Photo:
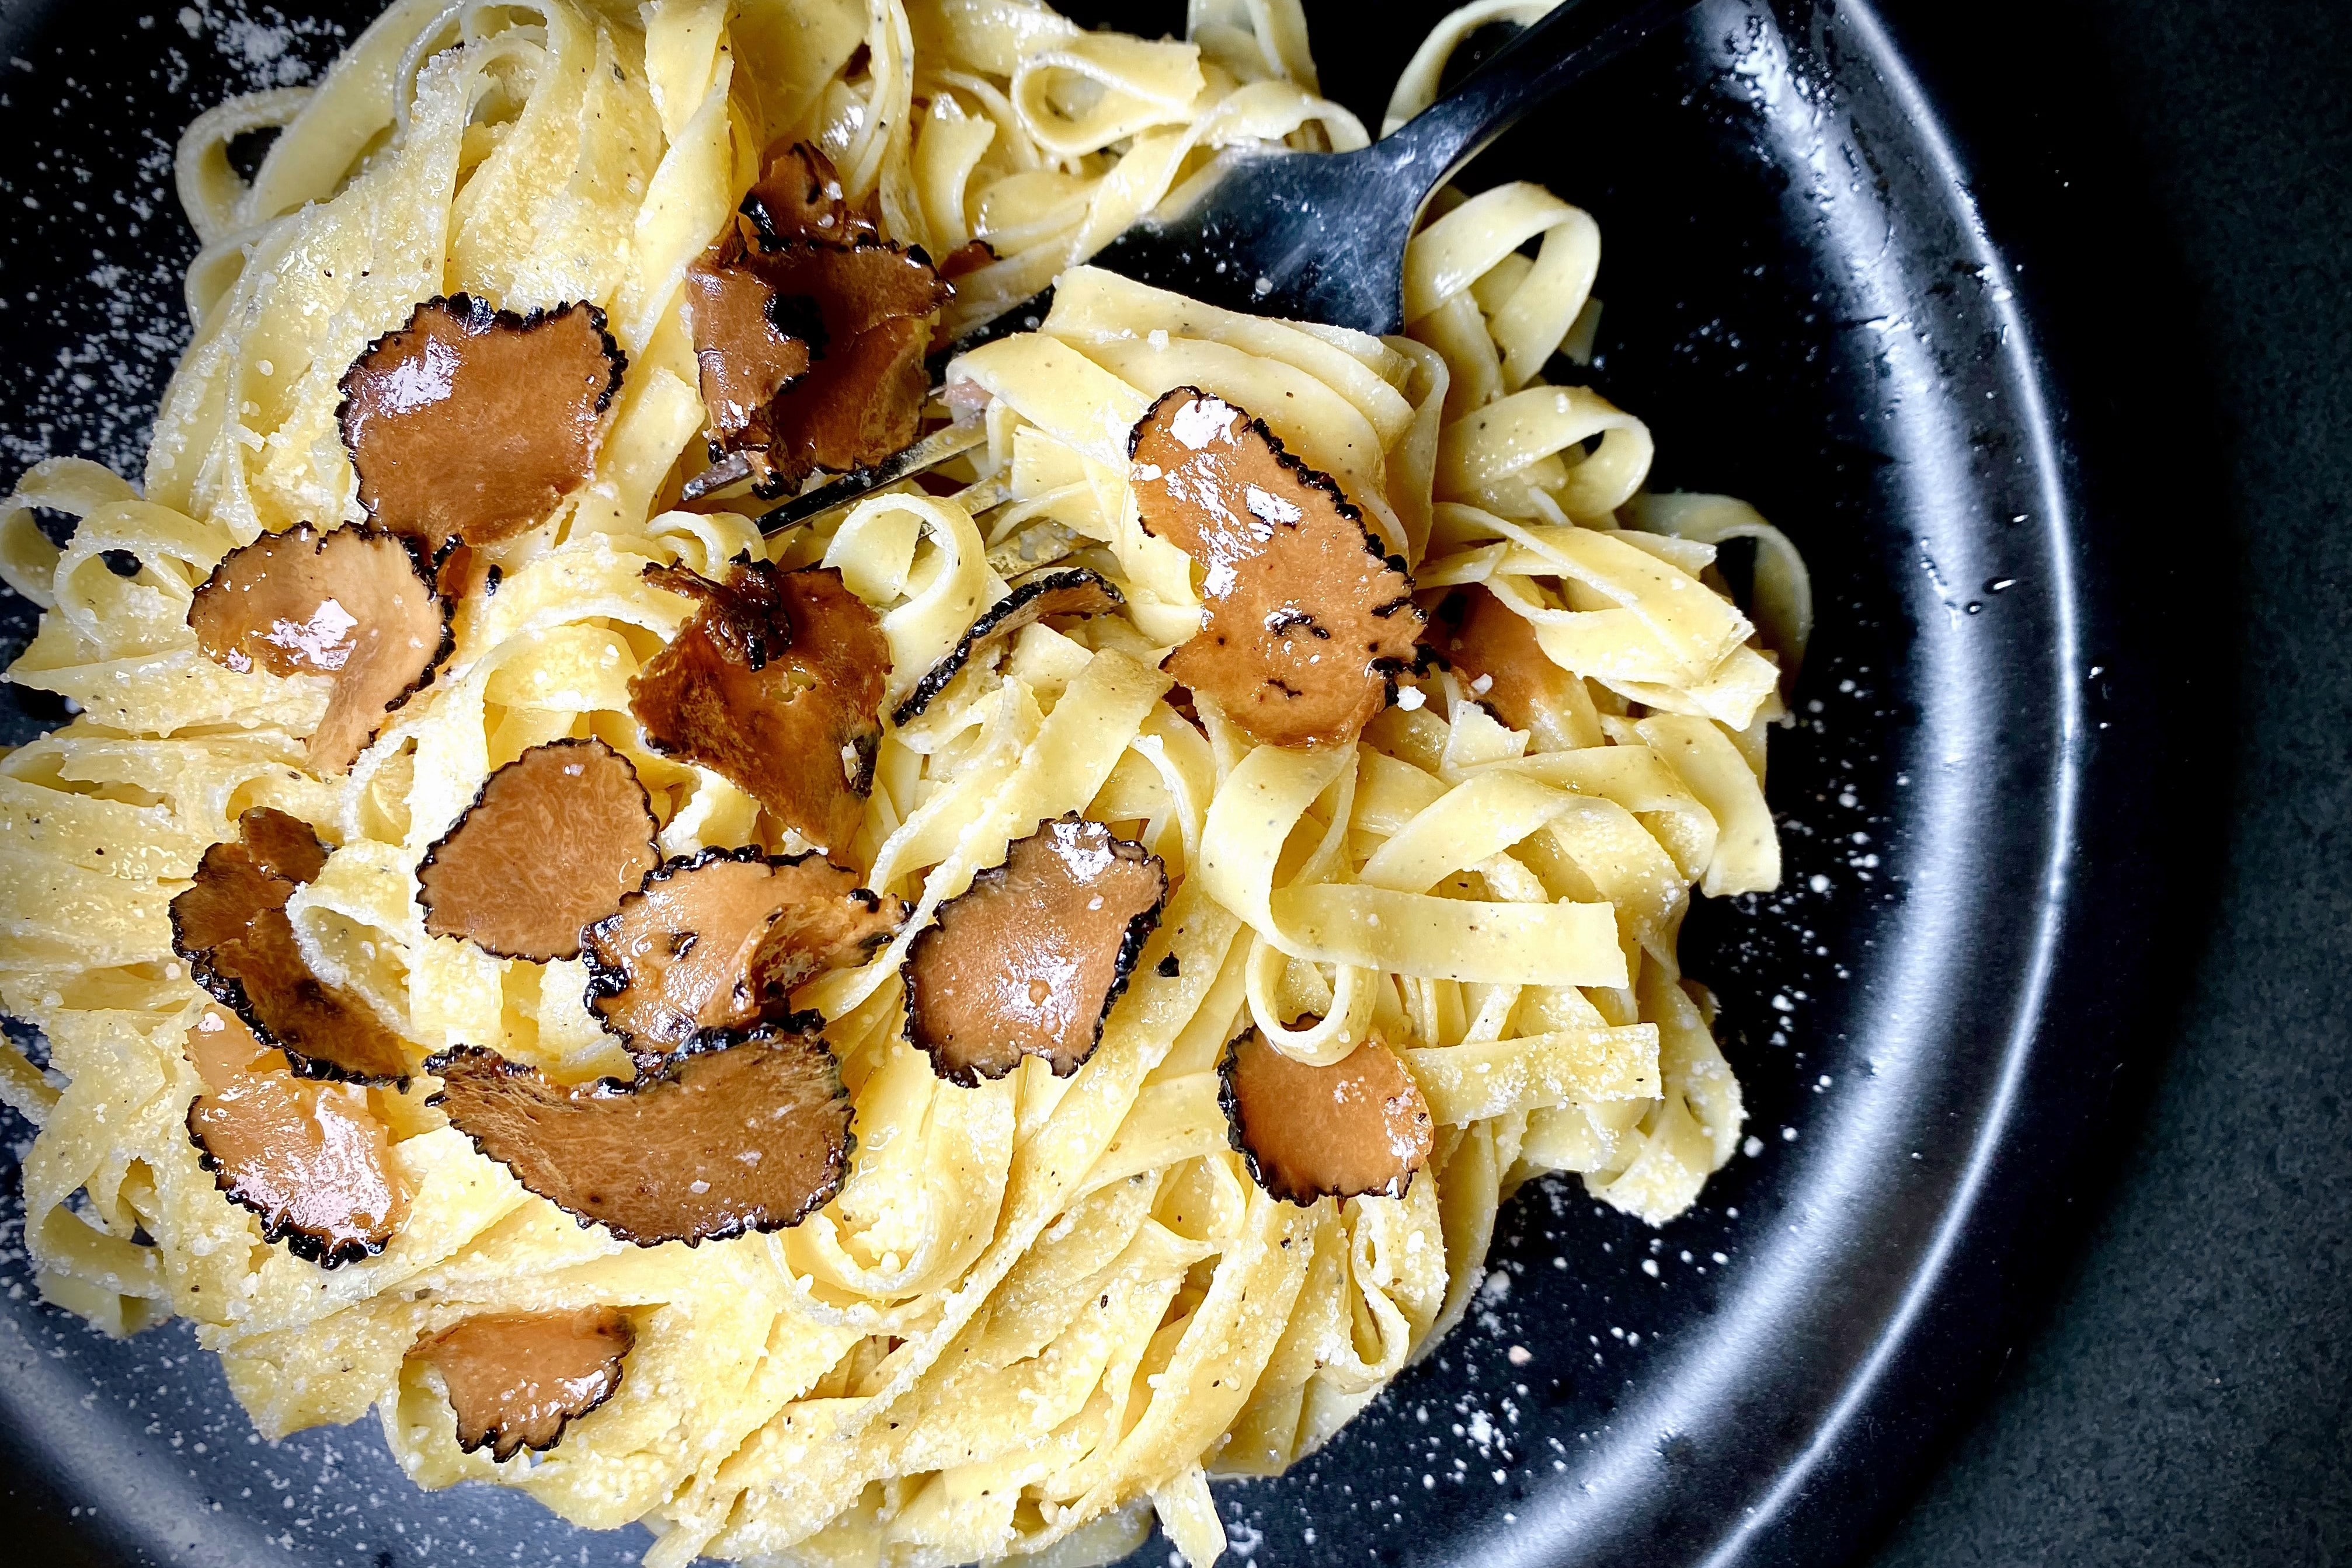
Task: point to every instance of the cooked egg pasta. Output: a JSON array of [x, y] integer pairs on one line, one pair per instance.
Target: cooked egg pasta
[[1041, 1310]]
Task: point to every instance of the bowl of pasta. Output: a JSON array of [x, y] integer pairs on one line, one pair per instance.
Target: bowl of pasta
[[1463, 945]]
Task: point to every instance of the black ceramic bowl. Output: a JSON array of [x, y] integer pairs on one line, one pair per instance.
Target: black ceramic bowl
[[1846, 279]]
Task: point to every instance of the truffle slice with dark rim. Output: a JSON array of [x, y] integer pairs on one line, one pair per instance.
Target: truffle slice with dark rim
[[353, 604], [966, 258], [1029, 958], [719, 939], [313, 1160], [281, 844], [1487, 643], [1306, 624], [462, 572], [474, 425], [775, 685], [1072, 591], [736, 1133], [811, 351], [802, 317], [552, 843], [799, 197], [231, 926], [747, 348], [862, 401], [517, 1379], [1357, 1128]]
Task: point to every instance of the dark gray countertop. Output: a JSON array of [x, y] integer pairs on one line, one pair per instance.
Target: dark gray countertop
[[2190, 1400]]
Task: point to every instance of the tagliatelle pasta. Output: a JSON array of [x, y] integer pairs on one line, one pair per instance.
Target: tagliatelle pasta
[[1039, 1310]]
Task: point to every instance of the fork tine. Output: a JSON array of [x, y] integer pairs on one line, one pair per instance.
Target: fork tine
[[731, 469], [930, 452]]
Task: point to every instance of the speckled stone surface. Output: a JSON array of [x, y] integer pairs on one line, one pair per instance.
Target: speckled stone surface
[[2190, 1400]]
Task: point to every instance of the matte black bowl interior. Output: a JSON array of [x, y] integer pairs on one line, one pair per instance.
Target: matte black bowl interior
[[1805, 301]]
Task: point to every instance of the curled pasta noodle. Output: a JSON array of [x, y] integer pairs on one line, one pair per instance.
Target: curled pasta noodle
[[210, 191], [1783, 598], [1042, 1311], [1416, 87]]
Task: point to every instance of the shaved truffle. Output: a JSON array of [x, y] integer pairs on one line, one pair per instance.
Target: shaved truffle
[[1306, 624], [811, 351], [1028, 960], [736, 1133], [967, 258], [775, 683], [281, 844], [551, 844], [862, 399], [746, 346], [1358, 1127], [313, 1160], [472, 424], [354, 605], [751, 340], [811, 935], [1487, 642], [463, 572], [231, 926], [799, 197], [1075, 592], [517, 1379], [722, 938], [273, 855]]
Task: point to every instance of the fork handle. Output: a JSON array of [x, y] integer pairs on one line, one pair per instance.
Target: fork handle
[[1547, 57]]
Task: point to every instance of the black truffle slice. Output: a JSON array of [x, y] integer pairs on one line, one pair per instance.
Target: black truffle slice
[[517, 1379], [799, 197], [313, 1160], [1358, 1127], [552, 844], [811, 350], [281, 844], [461, 572], [1073, 592], [966, 258], [1496, 648], [775, 685], [474, 424], [273, 853], [719, 939], [1307, 625], [231, 926], [1029, 958], [736, 1133], [755, 337], [354, 604], [862, 400], [747, 347]]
